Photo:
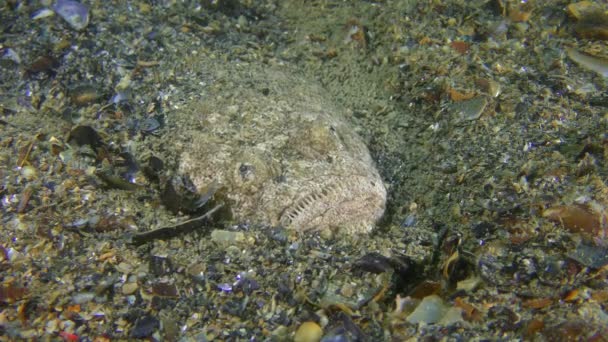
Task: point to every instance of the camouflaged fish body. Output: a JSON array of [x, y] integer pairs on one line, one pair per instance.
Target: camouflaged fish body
[[284, 153]]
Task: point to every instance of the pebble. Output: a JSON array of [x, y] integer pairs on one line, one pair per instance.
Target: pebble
[[28, 172], [129, 288], [308, 332], [123, 267], [226, 236], [145, 327], [81, 298]]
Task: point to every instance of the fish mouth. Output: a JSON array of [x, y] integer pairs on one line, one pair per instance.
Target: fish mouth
[[352, 203]]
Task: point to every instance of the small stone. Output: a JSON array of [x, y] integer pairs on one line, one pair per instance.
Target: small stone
[[165, 290], [160, 265], [308, 332], [326, 234], [491, 87], [124, 83], [227, 236], [145, 8], [129, 288], [123, 267], [28, 172], [81, 298], [144, 327], [347, 290]]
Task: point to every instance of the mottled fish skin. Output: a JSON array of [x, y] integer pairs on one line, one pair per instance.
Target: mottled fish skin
[[284, 154]]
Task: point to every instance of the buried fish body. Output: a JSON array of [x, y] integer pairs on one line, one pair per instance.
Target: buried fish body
[[282, 152]]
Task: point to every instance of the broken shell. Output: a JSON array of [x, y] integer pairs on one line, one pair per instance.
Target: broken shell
[[85, 135], [8, 57], [468, 110], [150, 125], [491, 87], [180, 194], [578, 218], [43, 13], [73, 12], [579, 9], [84, 95], [45, 63], [598, 65]]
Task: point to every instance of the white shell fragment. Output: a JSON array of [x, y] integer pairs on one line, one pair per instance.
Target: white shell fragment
[[595, 64], [11, 55], [284, 154], [430, 310], [73, 12], [468, 110], [43, 13]]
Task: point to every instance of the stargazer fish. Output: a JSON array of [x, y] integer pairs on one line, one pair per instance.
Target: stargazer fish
[[283, 152]]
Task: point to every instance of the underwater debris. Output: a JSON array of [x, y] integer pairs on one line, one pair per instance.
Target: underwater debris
[[173, 230]]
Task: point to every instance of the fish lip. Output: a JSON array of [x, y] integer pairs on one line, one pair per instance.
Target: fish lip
[[354, 203]]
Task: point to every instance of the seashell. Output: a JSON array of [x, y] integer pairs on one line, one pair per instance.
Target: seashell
[[43, 13], [577, 218], [8, 54], [73, 12], [592, 63]]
